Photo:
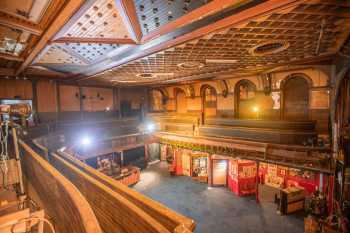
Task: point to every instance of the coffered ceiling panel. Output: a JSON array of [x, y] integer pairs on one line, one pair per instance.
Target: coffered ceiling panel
[[297, 33], [153, 14], [92, 51], [101, 20], [57, 55]]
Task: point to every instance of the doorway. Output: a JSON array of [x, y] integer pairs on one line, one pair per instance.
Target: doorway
[[296, 98], [220, 172]]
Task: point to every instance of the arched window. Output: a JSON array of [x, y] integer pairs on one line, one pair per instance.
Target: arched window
[[209, 101], [181, 101], [295, 91], [245, 99]]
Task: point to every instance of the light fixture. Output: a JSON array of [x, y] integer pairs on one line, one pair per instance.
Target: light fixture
[[269, 47], [150, 127], [190, 65], [86, 141], [256, 110]]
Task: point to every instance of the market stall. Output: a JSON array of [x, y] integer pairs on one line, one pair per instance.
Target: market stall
[[242, 177]]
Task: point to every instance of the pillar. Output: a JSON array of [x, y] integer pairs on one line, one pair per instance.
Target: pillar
[[257, 183], [210, 170], [121, 158]]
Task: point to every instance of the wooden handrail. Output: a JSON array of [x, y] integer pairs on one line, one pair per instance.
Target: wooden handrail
[[56, 193], [167, 217]]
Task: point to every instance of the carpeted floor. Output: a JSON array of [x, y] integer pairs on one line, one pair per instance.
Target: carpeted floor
[[216, 210]]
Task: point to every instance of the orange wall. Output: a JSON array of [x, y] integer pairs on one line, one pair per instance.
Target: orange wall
[[97, 99], [9, 89], [46, 92], [69, 98]]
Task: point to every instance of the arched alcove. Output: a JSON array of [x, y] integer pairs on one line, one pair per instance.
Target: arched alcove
[[245, 92], [180, 100], [295, 90], [209, 101]]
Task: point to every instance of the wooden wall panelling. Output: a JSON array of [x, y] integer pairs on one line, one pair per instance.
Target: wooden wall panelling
[[69, 98], [114, 212], [35, 98], [9, 89], [47, 96], [97, 99], [62, 201]]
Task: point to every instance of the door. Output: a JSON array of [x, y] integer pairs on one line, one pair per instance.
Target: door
[[186, 164], [296, 99], [220, 172]]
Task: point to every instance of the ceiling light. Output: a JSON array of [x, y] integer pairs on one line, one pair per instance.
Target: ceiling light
[[191, 65], [145, 75], [221, 61], [269, 47]]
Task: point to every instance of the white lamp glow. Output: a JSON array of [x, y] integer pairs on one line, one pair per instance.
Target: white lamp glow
[[150, 127], [86, 141]]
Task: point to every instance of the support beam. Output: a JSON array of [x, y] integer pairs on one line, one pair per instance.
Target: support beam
[[64, 15], [20, 23], [127, 11], [11, 57], [199, 13], [7, 72], [93, 40]]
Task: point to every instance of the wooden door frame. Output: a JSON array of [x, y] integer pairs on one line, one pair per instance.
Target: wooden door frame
[[283, 94], [212, 172]]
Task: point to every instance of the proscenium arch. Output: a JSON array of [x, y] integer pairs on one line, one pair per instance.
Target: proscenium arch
[[237, 99], [206, 111], [295, 98]]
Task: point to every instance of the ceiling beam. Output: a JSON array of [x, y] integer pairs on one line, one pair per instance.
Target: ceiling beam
[[11, 57], [63, 16], [93, 40], [7, 72], [199, 13], [21, 23], [127, 11], [184, 34]]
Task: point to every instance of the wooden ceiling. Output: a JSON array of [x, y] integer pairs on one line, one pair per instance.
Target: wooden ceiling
[[139, 42]]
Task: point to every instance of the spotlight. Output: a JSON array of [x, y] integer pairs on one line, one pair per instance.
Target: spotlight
[[86, 141], [108, 109], [150, 127]]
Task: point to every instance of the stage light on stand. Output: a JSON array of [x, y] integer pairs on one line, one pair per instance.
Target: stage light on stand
[[150, 127], [85, 141], [256, 110]]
